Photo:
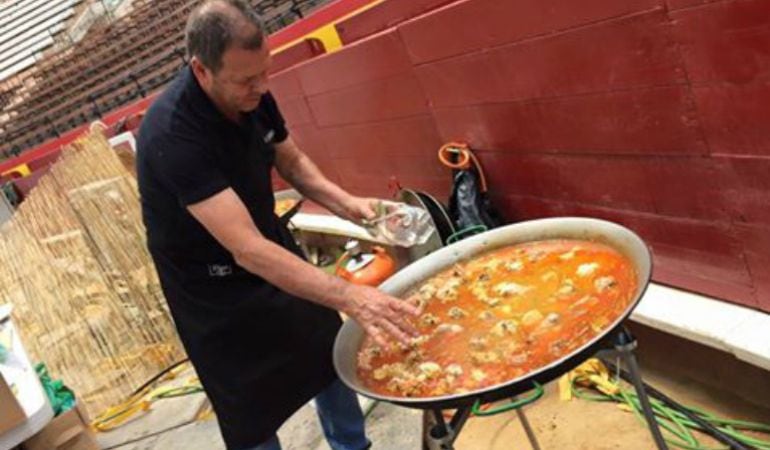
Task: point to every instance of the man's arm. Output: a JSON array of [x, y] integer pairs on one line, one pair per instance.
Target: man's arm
[[225, 216], [301, 172]]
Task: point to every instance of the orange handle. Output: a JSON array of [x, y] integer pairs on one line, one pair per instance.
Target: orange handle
[[466, 158], [455, 148]]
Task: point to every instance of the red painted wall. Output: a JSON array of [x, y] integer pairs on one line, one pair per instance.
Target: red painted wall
[[651, 113], [329, 13]]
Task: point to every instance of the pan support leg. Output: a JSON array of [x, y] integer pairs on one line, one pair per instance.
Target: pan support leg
[[528, 429], [624, 346], [440, 434]]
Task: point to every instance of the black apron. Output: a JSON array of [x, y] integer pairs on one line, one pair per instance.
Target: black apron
[[260, 352]]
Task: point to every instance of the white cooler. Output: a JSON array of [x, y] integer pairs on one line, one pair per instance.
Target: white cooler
[[18, 372]]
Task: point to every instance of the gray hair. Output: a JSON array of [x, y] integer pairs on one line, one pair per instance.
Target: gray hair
[[216, 25]]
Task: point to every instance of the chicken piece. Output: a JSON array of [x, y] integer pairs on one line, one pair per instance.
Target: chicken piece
[[511, 346], [518, 359], [429, 320], [587, 269], [567, 288], [423, 296], [389, 370], [549, 276], [603, 283], [407, 385], [492, 264], [570, 254], [486, 315], [413, 344], [449, 328], [364, 361], [454, 370], [416, 300], [599, 323], [484, 357], [457, 313], [479, 291], [509, 288], [557, 347], [491, 301], [532, 317], [419, 340], [478, 375], [427, 291], [414, 357], [430, 369], [366, 355], [483, 277], [477, 343], [504, 327], [481, 294], [442, 387], [380, 373], [535, 256], [552, 319], [449, 291], [514, 266]]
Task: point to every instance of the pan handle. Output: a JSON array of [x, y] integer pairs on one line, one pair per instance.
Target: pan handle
[[517, 403]]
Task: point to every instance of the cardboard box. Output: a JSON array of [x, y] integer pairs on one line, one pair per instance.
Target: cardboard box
[[68, 431], [11, 414]]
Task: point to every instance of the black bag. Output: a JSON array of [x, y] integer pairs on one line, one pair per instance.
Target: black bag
[[469, 205]]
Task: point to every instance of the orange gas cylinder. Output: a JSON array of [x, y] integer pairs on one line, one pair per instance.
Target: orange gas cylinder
[[370, 269]]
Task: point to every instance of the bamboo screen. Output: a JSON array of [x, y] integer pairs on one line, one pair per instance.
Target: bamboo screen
[[86, 297]]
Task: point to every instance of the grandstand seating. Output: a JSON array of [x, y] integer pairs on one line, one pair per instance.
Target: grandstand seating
[[27, 27], [115, 64]]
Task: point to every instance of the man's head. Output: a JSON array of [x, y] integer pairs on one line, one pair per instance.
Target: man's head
[[228, 54]]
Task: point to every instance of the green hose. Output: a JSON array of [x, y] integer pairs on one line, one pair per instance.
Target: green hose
[[677, 424]]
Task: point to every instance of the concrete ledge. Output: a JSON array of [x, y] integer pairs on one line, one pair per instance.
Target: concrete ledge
[[734, 329]]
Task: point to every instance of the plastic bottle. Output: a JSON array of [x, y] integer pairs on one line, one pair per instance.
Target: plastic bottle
[[401, 225]]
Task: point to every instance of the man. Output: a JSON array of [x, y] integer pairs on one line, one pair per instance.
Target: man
[[257, 321]]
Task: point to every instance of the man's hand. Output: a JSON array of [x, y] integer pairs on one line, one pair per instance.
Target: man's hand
[[359, 209], [381, 315]]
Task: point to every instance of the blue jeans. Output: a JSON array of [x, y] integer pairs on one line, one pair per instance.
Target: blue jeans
[[341, 419]]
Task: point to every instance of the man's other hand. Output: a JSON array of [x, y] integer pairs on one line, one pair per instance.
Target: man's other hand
[[382, 317]]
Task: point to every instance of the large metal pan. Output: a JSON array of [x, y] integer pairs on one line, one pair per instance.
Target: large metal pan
[[625, 241]]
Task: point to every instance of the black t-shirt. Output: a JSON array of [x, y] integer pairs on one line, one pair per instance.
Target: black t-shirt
[[260, 352], [187, 149]]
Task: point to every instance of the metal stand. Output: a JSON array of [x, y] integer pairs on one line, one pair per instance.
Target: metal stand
[[440, 434], [625, 344], [528, 429]]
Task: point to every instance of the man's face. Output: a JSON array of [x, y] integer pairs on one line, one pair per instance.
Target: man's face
[[240, 82]]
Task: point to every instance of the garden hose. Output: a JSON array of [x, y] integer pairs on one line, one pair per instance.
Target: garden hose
[[679, 421], [142, 399]]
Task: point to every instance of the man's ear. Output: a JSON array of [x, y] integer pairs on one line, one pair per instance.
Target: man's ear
[[200, 71]]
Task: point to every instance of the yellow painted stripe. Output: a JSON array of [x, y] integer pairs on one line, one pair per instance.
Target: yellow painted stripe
[[328, 33]]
